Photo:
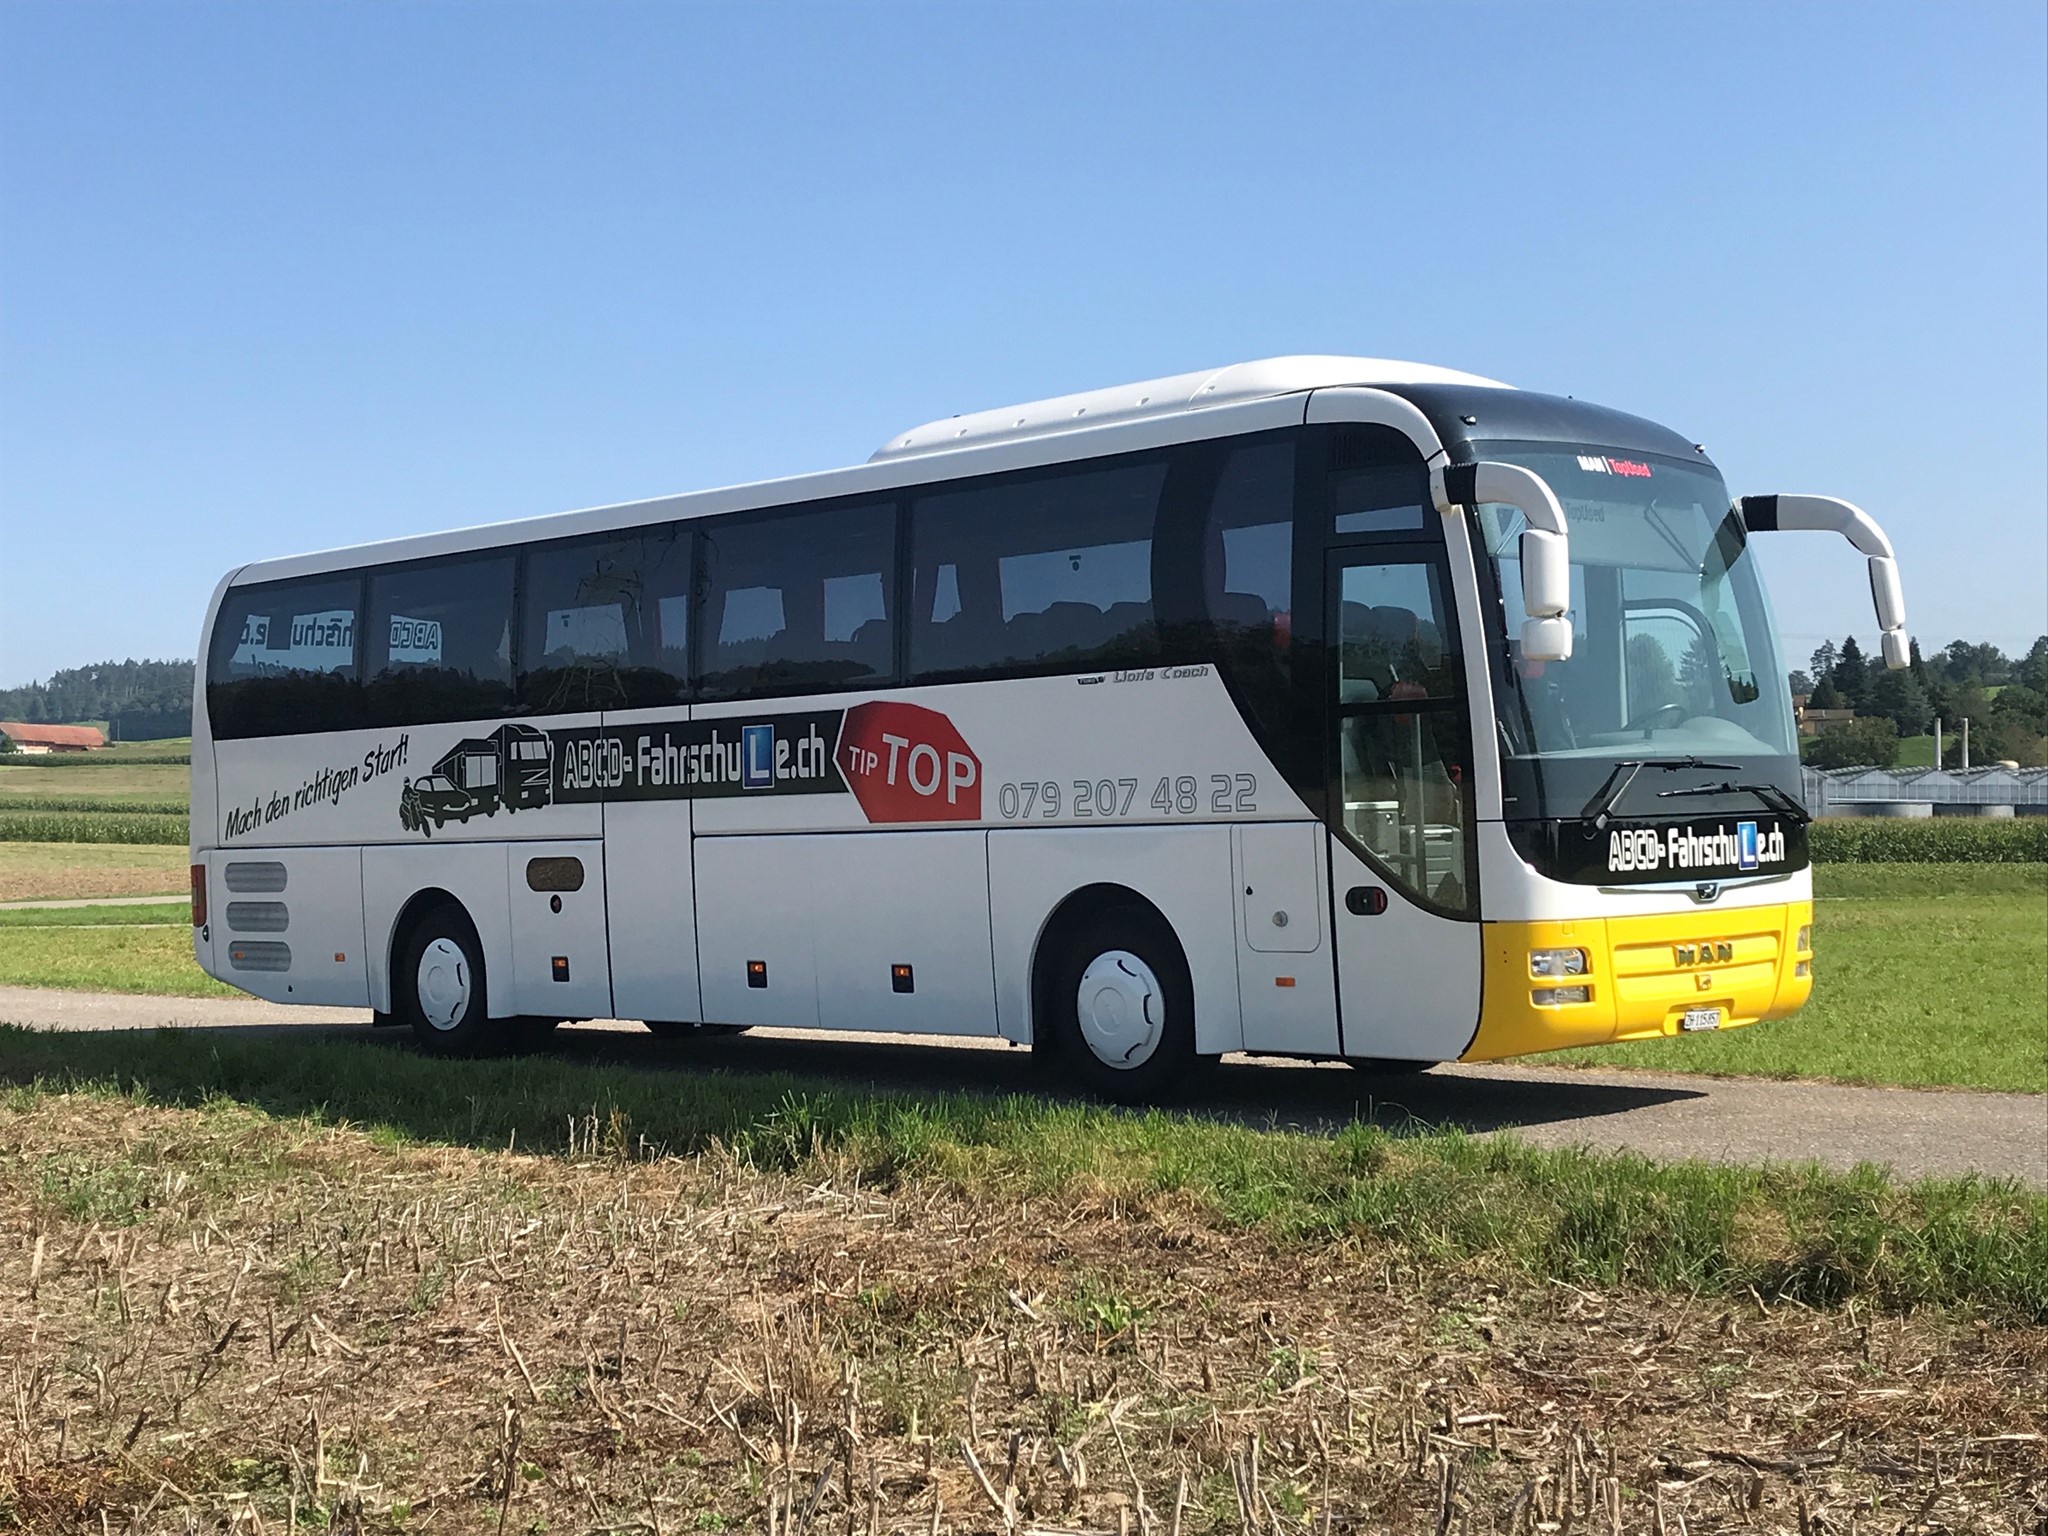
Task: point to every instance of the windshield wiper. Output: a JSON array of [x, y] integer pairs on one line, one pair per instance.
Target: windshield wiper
[[1609, 794], [1770, 794]]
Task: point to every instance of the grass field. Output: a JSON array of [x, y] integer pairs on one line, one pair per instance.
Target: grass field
[[165, 785], [1924, 974], [80, 871], [1928, 975], [844, 1311], [107, 949]]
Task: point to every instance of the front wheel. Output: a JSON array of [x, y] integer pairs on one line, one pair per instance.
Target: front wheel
[[1124, 1007], [438, 987]]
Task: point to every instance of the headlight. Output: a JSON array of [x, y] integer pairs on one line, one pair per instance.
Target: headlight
[[1551, 997], [1804, 943], [1557, 962]]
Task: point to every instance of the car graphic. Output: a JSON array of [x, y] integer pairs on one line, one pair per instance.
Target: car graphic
[[430, 800]]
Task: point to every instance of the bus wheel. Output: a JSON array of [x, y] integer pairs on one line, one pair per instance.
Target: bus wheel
[[1124, 1008], [1388, 1066], [438, 987]]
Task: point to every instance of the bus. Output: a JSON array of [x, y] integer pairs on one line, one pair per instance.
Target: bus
[[1316, 707]]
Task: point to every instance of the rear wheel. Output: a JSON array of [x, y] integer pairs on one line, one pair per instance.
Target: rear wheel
[[438, 987], [1124, 1008]]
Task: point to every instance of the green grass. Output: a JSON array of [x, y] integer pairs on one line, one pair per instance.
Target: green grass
[[125, 784], [40, 949], [169, 914], [101, 804], [177, 749], [1915, 752], [1575, 1215], [91, 827], [1936, 840], [1924, 974]]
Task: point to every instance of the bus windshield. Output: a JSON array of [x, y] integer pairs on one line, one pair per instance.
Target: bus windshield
[[1674, 655]]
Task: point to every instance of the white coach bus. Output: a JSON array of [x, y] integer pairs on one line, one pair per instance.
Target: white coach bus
[[1319, 707]]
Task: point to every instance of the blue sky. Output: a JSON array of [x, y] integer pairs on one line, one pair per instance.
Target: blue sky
[[275, 277]]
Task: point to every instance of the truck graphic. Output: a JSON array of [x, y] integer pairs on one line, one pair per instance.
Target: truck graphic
[[511, 767]]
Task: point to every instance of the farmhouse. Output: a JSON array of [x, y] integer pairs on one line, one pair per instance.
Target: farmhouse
[[53, 738]]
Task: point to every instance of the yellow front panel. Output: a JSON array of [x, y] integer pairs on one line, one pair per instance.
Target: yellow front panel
[[1643, 975]]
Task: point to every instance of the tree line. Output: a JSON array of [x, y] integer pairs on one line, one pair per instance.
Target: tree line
[[140, 700], [2005, 700]]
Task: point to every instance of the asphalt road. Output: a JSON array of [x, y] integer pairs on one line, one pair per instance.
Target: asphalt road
[[1661, 1114]]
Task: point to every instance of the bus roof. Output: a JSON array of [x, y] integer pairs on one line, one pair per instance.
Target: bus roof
[[1234, 385]]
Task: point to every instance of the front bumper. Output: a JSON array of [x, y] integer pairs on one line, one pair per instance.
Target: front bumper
[[1643, 975]]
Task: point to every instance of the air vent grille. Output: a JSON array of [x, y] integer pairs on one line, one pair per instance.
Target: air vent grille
[[259, 955], [259, 916], [259, 877]]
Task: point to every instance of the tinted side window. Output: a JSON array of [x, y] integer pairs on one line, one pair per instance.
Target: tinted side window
[[606, 623], [283, 659], [1377, 482], [440, 641], [799, 601], [1248, 551], [1046, 573]]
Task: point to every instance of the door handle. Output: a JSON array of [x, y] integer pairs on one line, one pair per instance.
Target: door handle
[[1365, 901]]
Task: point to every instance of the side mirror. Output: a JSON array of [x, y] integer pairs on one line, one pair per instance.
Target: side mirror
[[1830, 514], [1545, 549]]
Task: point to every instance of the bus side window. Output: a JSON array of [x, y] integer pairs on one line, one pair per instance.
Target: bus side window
[[439, 643], [283, 659], [1248, 555], [605, 623], [798, 602], [1049, 571]]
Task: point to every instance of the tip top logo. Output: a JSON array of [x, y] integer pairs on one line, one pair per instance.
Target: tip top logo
[[904, 762]]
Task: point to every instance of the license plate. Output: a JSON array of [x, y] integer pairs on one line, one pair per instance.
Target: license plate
[[1701, 1018]]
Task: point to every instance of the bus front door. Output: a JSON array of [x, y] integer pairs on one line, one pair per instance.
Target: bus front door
[[1404, 905]]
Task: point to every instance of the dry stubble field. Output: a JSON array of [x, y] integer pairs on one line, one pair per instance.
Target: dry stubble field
[[215, 1319]]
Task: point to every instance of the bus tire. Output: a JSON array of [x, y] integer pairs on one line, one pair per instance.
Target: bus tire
[[1123, 1007], [438, 987]]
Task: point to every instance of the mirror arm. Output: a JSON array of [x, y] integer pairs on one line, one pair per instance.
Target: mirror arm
[[1545, 548], [1830, 514]]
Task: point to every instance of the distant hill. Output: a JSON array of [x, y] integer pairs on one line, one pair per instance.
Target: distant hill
[[139, 700]]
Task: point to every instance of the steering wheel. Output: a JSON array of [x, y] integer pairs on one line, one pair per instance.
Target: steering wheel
[[1665, 714]]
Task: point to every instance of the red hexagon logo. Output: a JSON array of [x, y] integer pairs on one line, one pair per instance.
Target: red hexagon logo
[[904, 762]]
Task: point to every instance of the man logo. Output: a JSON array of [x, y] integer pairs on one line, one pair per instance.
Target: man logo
[[1703, 953]]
